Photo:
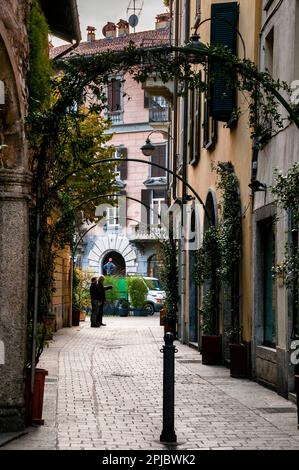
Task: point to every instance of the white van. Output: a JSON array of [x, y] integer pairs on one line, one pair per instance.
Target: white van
[[155, 296]]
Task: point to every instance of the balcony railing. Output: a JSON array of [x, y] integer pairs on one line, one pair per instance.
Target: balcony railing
[[159, 114], [116, 117]]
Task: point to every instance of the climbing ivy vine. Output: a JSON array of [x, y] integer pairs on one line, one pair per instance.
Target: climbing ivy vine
[[218, 260], [286, 194]]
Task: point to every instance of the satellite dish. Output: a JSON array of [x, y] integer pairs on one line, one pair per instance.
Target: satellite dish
[[133, 21]]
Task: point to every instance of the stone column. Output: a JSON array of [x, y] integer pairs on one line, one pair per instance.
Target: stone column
[[14, 191]]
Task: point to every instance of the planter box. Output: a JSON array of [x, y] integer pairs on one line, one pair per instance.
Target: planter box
[[123, 312], [238, 360], [211, 350], [38, 396], [82, 316], [75, 317]]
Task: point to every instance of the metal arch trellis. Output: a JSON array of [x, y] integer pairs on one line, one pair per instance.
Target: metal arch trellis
[[134, 57], [138, 160]]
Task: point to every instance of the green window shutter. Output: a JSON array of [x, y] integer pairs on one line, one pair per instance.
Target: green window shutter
[[223, 32]]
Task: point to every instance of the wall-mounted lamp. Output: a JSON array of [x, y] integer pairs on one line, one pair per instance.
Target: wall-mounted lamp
[[256, 186]]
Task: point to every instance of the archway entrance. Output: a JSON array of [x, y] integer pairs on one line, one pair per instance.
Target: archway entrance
[[118, 260]]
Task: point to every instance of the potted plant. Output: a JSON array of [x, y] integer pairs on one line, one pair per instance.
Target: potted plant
[[112, 295], [123, 308], [238, 353], [34, 407], [211, 343], [137, 294]]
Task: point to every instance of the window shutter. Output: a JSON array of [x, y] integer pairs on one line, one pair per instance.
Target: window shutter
[[123, 167], [223, 32], [146, 100], [192, 94], [158, 157], [198, 127], [146, 195], [123, 210], [114, 98]]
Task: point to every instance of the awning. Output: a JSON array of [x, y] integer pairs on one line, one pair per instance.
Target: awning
[[63, 18]]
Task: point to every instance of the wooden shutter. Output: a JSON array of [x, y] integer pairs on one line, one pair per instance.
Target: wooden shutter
[[146, 195], [123, 167], [192, 94], [114, 96], [147, 100], [198, 126], [158, 157], [223, 32]]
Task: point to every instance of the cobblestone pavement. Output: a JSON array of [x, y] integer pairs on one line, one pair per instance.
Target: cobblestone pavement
[[104, 391]]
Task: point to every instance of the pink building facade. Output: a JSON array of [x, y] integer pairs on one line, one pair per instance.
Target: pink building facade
[[129, 233]]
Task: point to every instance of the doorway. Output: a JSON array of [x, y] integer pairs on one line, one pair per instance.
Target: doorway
[[118, 260]]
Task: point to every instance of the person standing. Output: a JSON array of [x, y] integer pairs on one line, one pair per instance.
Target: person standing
[[102, 291], [109, 267], [95, 296]]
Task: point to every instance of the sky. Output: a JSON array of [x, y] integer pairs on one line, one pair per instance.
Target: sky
[[97, 12]]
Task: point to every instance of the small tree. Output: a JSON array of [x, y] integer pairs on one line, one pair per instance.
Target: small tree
[[137, 292]]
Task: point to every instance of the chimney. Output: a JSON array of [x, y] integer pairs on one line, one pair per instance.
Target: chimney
[[163, 20], [123, 28], [109, 30], [91, 35]]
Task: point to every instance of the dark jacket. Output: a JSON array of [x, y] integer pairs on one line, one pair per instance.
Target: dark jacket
[[102, 290], [95, 293]]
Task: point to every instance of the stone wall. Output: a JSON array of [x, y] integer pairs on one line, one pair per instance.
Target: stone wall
[[14, 190]]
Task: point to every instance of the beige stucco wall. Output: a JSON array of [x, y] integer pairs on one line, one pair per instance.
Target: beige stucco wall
[[234, 146]]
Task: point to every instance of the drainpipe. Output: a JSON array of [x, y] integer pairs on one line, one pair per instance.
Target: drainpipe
[[185, 175]]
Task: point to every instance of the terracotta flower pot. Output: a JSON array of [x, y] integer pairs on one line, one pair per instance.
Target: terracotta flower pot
[[38, 396]]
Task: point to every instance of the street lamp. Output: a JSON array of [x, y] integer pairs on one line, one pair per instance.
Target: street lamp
[[148, 148]]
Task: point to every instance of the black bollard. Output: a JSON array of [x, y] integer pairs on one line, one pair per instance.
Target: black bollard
[[168, 433], [297, 393]]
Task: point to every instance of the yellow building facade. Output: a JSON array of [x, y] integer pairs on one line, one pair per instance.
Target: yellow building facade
[[205, 146]]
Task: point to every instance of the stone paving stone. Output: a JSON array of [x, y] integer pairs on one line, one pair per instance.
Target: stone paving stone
[[108, 395]]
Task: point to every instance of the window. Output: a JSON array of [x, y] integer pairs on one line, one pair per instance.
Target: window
[[158, 199], [269, 45], [112, 217], [158, 157], [158, 109], [269, 291], [115, 105], [121, 169], [153, 200], [210, 126]]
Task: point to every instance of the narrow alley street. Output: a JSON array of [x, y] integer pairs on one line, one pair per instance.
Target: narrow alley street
[[104, 392]]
